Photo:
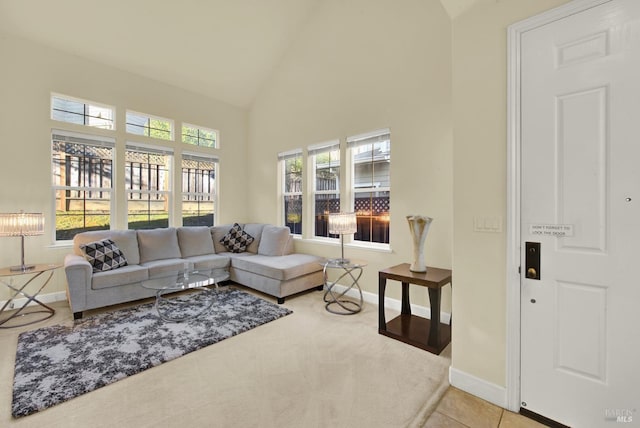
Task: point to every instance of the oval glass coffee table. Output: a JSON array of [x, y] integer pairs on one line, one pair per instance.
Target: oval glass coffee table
[[169, 282]]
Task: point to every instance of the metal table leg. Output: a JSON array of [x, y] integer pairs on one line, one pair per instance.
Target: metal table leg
[[348, 307], [47, 310]]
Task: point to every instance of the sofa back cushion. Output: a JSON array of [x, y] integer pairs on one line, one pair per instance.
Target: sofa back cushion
[[126, 240], [275, 241], [158, 244], [255, 230], [195, 241]]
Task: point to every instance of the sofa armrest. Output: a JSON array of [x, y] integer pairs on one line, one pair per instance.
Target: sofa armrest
[[79, 273]]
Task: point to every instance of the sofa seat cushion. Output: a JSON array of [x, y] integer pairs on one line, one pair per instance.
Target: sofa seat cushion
[[126, 240], [158, 267], [281, 268], [125, 275], [158, 244], [209, 261], [195, 241]]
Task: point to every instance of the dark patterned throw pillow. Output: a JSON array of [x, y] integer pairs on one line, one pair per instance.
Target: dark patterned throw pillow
[[236, 240], [103, 255]]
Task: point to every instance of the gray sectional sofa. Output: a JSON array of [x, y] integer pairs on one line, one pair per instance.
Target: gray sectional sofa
[[268, 264]]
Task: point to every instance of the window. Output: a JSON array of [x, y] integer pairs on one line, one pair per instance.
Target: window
[[149, 126], [148, 184], [198, 189], [370, 166], [291, 166], [198, 136], [82, 168], [66, 109], [325, 163]]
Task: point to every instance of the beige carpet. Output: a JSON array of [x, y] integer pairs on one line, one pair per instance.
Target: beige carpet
[[310, 369]]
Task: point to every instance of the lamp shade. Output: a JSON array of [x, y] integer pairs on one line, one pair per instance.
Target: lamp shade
[[342, 223], [21, 224]]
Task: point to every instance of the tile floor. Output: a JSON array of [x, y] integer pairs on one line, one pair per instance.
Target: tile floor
[[458, 409]]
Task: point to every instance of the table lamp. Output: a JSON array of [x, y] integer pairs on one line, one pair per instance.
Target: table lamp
[[21, 224], [342, 224]]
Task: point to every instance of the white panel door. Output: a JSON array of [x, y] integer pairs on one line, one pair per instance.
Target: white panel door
[[580, 157]]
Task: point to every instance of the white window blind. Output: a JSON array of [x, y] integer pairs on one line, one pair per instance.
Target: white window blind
[[323, 147], [199, 157], [290, 154], [76, 138], [379, 136], [144, 148]]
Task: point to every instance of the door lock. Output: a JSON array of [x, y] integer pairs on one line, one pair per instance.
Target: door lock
[[532, 260]]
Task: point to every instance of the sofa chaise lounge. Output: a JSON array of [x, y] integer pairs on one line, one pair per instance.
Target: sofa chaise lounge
[[267, 263]]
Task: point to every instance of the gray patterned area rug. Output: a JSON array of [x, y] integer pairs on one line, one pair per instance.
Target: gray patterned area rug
[[57, 363]]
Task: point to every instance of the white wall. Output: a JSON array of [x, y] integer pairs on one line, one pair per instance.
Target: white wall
[[479, 163], [359, 66], [29, 74]]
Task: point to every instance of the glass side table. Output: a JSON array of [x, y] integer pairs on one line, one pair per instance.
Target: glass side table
[[40, 272], [335, 301]]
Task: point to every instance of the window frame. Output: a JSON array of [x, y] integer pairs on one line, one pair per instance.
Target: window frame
[[200, 157], [86, 140], [149, 117], [354, 142], [216, 141], [86, 104], [150, 150], [312, 152], [284, 194]]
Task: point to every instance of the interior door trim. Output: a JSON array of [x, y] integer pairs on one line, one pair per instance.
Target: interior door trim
[[513, 327]]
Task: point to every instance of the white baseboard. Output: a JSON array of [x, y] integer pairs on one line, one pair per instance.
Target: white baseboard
[[395, 304], [58, 296], [368, 297], [479, 387]]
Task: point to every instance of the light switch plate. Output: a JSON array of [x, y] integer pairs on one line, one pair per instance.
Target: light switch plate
[[487, 224]]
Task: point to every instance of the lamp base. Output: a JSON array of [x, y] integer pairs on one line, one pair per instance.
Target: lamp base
[[21, 268], [341, 261]]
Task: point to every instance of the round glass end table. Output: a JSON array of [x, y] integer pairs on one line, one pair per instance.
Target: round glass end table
[[335, 301]]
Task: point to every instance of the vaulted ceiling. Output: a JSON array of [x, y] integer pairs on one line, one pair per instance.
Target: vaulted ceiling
[[225, 49]]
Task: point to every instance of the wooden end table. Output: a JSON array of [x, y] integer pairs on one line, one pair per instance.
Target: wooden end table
[[430, 335]]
